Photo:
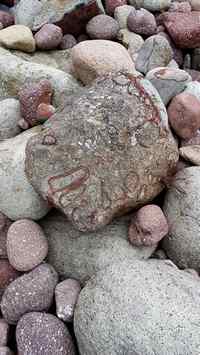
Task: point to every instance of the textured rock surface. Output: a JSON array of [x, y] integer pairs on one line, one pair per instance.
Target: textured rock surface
[[17, 37], [168, 81], [26, 245], [66, 296], [142, 22], [71, 16], [30, 292], [111, 5], [6, 19], [148, 308], [17, 197], [7, 275], [4, 332], [48, 37], [80, 255], [43, 334], [181, 208], [16, 72], [5, 223], [155, 52], [102, 27], [9, 117], [94, 172], [191, 153], [151, 5], [99, 57]]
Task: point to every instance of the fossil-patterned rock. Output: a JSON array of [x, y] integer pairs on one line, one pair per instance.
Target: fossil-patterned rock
[[105, 153]]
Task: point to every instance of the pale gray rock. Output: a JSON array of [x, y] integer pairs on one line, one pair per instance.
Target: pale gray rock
[[182, 210], [144, 308], [81, 255], [151, 5], [9, 117], [18, 199], [168, 81], [155, 52], [121, 14], [193, 88]]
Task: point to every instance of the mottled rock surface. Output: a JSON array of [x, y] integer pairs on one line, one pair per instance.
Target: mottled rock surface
[[9, 116], [17, 37], [5, 223], [151, 5], [92, 169], [66, 296], [146, 307], [7, 275]]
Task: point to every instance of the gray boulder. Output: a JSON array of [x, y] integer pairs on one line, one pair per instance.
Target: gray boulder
[[182, 210], [105, 153], [18, 199], [9, 117], [142, 308], [81, 255]]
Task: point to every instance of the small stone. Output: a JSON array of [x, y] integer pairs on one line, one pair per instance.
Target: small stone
[[155, 52], [177, 52], [4, 332], [142, 22], [187, 63], [7, 275], [180, 7], [111, 5], [168, 81], [44, 112], [121, 15], [9, 116], [102, 27], [148, 226], [26, 245], [184, 115], [48, 37], [33, 291], [4, 350], [68, 41], [31, 96], [191, 153], [6, 18], [5, 223], [43, 334], [66, 295], [99, 57], [17, 37], [151, 5], [195, 140]]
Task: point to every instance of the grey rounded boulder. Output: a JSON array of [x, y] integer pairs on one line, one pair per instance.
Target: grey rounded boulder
[[144, 308]]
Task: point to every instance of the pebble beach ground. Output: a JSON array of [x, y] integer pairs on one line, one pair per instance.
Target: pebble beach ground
[[100, 177]]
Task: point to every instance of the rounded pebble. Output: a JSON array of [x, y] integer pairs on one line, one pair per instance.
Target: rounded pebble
[[102, 27], [142, 22], [48, 37], [66, 295], [68, 41]]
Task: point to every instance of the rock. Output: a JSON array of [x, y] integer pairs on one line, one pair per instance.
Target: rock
[[44, 112], [142, 22], [26, 245], [111, 5], [184, 115], [183, 29], [177, 52], [155, 52], [121, 15], [181, 208], [191, 153], [66, 296], [173, 64], [192, 272], [4, 332], [148, 226], [43, 334], [159, 254], [151, 5], [102, 27], [4, 350], [17, 197], [9, 117], [195, 140], [17, 37], [28, 293], [193, 88], [6, 19], [158, 299], [68, 42], [99, 57], [71, 16], [7, 275], [130, 40], [5, 223], [169, 82], [195, 74], [93, 172], [81, 255], [180, 7], [195, 5], [16, 72], [48, 37], [30, 97]]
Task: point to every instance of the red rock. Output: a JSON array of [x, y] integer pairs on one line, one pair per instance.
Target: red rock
[[184, 29], [7, 275], [6, 19], [44, 112], [184, 115], [112, 4]]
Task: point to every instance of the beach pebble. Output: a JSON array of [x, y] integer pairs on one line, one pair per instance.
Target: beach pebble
[[102, 27], [48, 37], [17, 37], [66, 296], [142, 22]]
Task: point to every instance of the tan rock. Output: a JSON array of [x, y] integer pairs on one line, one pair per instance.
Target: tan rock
[[18, 37], [99, 57], [191, 153]]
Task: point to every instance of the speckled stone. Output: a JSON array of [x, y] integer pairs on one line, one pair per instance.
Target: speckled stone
[[4, 332], [48, 37], [43, 334], [102, 27], [68, 41], [17, 37], [26, 245], [5, 223], [151, 5], [66, 296], [142, 22], [7, 275], [6, 18], [121, 15], [33, 291], [111, 5]]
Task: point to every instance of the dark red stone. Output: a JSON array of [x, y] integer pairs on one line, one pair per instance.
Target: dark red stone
[[7, 275]]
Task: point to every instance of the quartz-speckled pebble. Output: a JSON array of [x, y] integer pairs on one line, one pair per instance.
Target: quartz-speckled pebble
[[43, 334], [66, 296], [33, 291]]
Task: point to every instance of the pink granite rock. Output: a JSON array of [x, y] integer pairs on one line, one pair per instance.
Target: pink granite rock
[[48, 37]]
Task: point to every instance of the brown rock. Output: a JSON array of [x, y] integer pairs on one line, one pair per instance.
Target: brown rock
[[184, 115]]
